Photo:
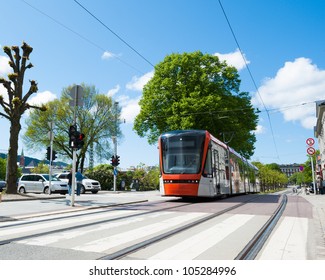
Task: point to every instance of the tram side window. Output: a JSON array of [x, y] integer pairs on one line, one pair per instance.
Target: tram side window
[[208, 164]]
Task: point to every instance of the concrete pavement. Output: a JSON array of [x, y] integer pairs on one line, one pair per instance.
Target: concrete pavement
[[19, 207]]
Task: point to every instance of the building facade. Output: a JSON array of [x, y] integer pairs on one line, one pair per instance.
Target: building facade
[[289, 169], [320, 135]]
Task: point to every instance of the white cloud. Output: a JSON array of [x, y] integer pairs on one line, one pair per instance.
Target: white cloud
[[298, 82], [130, 108], [234, 59], [4, 66], [137, 84], [260, 129], [107, 55], [113, 91], [41, 98]]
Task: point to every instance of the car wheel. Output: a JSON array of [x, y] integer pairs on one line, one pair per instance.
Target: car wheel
[[82, 189], [94, 192], [22, 190], [46, 190]]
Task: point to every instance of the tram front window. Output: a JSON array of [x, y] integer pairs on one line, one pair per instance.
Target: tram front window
[[182, 154]]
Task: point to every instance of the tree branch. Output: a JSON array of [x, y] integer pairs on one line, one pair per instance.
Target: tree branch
[[32, 89]]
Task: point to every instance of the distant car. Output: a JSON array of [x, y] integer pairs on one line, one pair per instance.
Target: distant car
[[87, 185], [2, 185], [39, 183], [311, 188]]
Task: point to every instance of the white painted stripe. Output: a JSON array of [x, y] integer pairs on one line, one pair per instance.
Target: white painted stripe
[[25, 229], [197, 244], [103, 244], [289, 241], [78, 233]]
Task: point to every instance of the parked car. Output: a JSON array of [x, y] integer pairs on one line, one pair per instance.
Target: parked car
[[2, 185], [39, 183], [87, 185]]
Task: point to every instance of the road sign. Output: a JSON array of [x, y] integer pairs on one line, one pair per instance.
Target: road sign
[[310, 141], [76, 94], [311, 151]]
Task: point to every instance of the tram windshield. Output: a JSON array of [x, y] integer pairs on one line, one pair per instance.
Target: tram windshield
[[182, 152]]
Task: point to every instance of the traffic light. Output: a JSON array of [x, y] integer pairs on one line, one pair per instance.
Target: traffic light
[[54, 155], [113, 160], [79, 140], [72, 136], [48, 153]]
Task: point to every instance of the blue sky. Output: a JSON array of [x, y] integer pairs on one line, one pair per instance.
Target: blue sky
[[283, 43]]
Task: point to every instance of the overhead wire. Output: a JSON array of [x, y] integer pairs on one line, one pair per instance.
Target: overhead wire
[[114, 33], [80, 36], [251, 76]]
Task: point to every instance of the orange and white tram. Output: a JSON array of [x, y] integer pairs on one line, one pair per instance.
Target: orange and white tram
[[193, 163]]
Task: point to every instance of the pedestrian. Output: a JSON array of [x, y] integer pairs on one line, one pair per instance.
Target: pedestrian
[[69, 182], [79, 181]]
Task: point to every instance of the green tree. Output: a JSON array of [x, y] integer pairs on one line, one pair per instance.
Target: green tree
[[16, 104], [270, 176], [3, 166], [40, 168], [102, 173], [96, 119], [197, 91], [307, 171]]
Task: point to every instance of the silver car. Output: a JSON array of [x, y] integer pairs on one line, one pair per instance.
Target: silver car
[[39, 183]]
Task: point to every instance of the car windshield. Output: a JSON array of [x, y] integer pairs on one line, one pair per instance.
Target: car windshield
[[47, 177]]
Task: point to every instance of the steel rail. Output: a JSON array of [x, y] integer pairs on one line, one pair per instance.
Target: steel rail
[[7, 241], [253, 247], [133, 248]]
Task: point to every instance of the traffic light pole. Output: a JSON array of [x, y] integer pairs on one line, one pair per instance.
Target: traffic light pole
[[115, 146], [51, 155], [73, 176], [115, 168], [76, 94]]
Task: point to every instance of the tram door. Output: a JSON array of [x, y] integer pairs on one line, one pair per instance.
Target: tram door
[[216, 170]]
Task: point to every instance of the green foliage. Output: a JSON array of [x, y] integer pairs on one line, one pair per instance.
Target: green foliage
[[102, 173], [148, 177], [41, 168], [3, 166], [270, 176], [197, 91], [305, 177], [95, 119]]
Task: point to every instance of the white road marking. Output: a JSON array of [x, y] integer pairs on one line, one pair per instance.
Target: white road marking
[[104, 244], [197, 244]]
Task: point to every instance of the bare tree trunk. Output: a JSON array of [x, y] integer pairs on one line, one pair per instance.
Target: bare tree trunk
[[12, 156]]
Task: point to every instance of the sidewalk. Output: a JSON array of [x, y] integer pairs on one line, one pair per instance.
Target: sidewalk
[[318, 202]]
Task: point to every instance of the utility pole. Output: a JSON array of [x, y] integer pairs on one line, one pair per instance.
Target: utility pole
[[115, 145], [77, 100], [51, 154]]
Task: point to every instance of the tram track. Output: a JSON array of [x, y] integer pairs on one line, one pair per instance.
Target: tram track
[[133, 248], [127, 249], [252, 249], [6, 241], [96, 223], [248, 253]]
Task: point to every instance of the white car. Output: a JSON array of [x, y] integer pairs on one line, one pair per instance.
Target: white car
[[39, 183], [87, 185]]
